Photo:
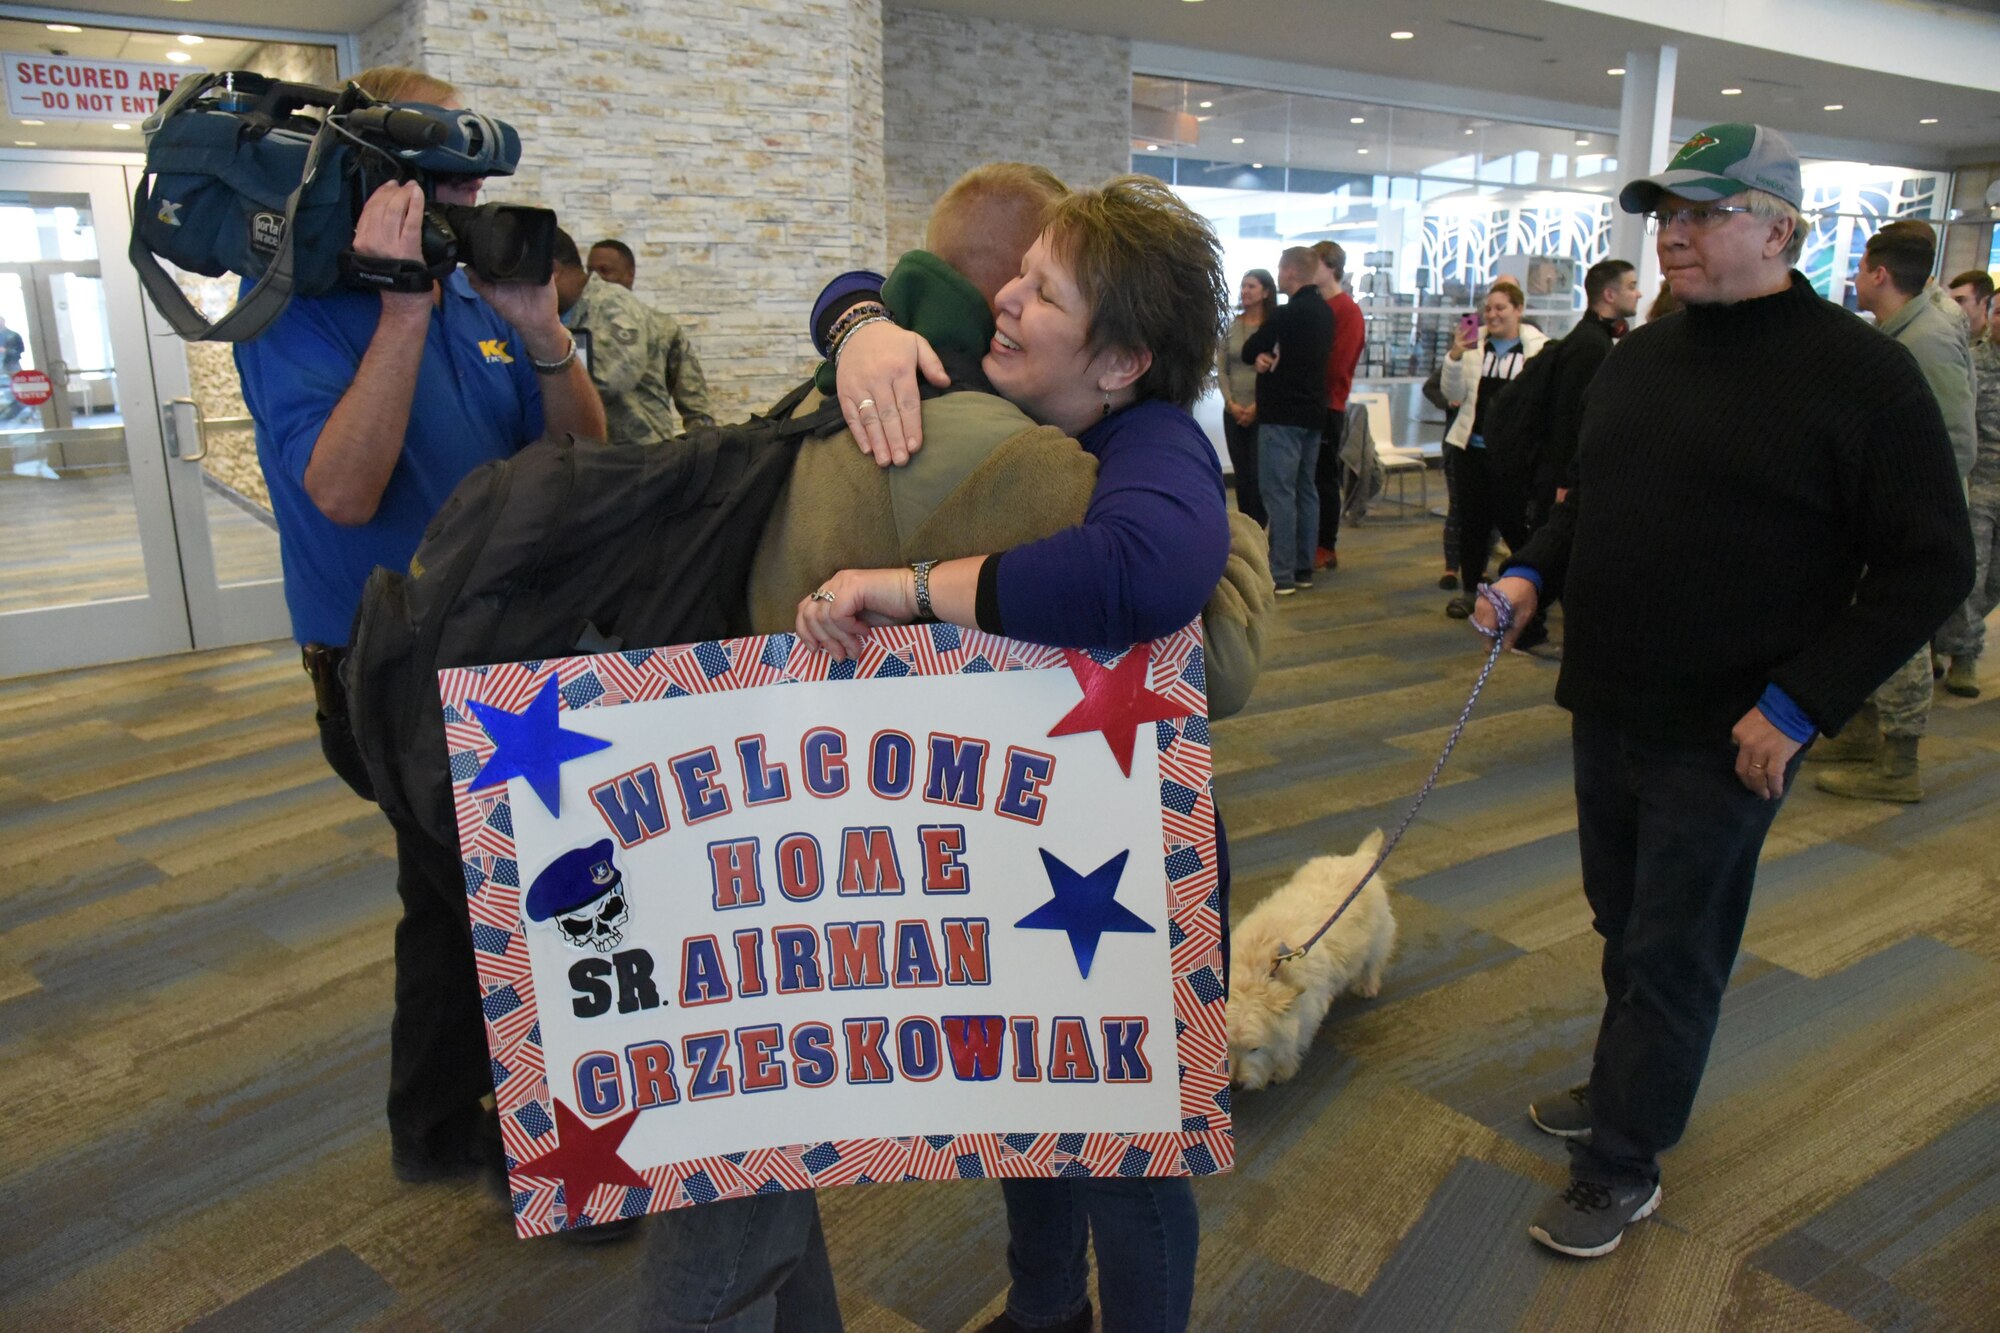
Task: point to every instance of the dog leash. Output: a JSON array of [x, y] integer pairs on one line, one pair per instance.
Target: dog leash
[[1503, 615]]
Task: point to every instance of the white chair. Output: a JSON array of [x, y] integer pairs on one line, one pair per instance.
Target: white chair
[[1397, 463]]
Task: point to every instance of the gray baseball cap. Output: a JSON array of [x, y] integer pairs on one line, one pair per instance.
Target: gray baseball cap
[[1720, 161]]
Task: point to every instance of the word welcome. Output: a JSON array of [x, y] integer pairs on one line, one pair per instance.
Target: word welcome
[[634, 804]]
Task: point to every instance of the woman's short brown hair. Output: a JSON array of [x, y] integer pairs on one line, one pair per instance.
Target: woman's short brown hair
[[1151, 269], [1510, 289], [400, 83]]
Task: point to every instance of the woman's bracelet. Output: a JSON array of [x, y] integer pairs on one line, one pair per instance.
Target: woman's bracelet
[[862, 312]]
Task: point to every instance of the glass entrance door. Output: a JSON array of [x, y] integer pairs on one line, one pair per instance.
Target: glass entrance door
[[89, 570], [120, 537]]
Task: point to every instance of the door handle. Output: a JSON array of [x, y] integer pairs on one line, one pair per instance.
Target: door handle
[[172, 428]]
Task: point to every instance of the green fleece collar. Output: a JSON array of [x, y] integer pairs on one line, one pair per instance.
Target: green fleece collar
[[931, 297], [934, 299]]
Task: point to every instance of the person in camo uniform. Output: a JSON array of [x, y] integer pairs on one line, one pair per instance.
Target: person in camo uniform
[[1963, 637], [641, 361]]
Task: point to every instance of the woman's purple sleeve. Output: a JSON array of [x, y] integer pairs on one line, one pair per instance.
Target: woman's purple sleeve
[[1149, 552]]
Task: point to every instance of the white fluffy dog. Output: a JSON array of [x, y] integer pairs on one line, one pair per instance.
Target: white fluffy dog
[[1273, 1019]]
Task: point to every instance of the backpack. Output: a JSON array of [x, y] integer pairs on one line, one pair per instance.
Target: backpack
[[1517, 424], [571, 546], [216, 198]]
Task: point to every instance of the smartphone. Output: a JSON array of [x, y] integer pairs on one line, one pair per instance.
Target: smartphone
[[1468, 328]]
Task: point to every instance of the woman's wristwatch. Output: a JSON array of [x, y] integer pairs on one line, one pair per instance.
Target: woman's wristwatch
[[922, 570]]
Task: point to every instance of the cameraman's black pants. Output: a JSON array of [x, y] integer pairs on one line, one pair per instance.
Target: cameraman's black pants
[[438, 1066]]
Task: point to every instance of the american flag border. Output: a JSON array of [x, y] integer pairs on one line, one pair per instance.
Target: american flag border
[[1205, 1144]]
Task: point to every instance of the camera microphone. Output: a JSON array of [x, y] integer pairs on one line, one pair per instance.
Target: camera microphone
[[401, 127]]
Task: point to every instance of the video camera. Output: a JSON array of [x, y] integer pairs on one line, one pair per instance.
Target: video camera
[[266, 179]]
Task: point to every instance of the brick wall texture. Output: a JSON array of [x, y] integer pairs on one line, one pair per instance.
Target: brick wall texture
[[748, 150], [735, 145], [957, 92]]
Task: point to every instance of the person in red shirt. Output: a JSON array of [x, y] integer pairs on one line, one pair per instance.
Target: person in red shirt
[[1350, 331]]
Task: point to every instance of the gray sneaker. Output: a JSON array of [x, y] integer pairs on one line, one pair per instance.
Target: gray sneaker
[[1588, 1219], [1565, 1114]]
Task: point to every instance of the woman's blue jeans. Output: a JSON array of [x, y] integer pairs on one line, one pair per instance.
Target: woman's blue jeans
[[1147, 1234]]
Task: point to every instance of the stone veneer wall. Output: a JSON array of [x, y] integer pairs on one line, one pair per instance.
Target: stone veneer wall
[[735, 145], [958, 92]]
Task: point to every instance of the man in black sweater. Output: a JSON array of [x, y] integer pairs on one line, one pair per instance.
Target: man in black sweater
[[1796, 463], [1290, 352], [1612, 288]]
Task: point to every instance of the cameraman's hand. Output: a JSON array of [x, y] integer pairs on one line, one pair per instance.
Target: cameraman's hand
[[391, 226], [531, 309]]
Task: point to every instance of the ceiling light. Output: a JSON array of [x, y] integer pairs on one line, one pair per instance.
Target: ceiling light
[[1362, 151], [1357, 120], [63, 27], [189, 39], [120, 125], [1401, 36], [1616, 71], [1206, 105], [1236, 140], [1472, 131], [1834, 106], [179, 57], [24, 143], [1927, 120], [1583, 142], [34, 122], [1152, 148], [1732, 92]]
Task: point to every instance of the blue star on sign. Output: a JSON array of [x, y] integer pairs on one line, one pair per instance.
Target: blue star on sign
[[1085, 906], [532, 744]]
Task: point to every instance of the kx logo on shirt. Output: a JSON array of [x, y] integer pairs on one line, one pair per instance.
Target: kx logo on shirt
[[495, 351]]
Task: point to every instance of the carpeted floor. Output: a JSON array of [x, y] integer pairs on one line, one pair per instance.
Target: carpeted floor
[[194, 996]]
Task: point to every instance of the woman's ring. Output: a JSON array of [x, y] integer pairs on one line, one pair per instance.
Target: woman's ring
[[864, 404], [822, 595], [1755, 767]]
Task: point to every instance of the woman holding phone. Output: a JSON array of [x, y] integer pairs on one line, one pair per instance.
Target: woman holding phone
[[1500, 345]]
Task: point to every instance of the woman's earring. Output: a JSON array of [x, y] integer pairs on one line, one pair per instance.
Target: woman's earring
[[1107, 407]]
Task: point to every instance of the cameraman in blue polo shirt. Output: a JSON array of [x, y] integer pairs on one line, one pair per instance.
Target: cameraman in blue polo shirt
[[370, 409]]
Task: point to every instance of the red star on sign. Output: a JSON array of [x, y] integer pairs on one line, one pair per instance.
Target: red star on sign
[[1115, 702], [585, 1157]]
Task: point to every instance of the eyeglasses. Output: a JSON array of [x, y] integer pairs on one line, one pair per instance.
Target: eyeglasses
[[1699, 216]]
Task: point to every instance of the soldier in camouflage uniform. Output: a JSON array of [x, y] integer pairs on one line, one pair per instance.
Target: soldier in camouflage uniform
[[1963, 637], [1893, 285], [642, 361]]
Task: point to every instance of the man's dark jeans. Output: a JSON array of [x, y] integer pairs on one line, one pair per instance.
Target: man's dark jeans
[[1670, 841], [438, 1066]]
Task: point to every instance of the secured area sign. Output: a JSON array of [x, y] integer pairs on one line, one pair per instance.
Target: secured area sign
[[749, 919], [46, 87]]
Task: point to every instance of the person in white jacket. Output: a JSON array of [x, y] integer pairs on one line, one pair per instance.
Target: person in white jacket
[[1485, 500]]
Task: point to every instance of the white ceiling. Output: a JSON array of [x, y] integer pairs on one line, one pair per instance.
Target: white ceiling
[[330, 16], [1551, 53]]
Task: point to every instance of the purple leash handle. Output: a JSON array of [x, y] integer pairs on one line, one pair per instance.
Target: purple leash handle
[[1503, 615]]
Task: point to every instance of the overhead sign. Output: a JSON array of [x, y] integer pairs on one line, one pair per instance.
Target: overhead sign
[[747, 919], [45, 87], [31, 388]]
